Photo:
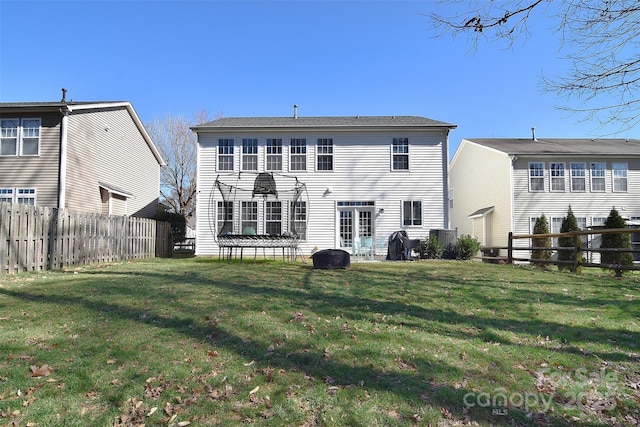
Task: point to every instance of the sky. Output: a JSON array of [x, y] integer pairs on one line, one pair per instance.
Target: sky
[[259, 58]]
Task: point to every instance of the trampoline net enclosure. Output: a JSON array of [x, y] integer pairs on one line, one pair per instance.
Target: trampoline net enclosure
[[286, 219]]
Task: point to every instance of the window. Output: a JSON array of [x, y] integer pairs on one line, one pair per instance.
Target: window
[[225, 154], [556, 225], [249, 154], [274, 154], [20, 137], [598, 221], [225, 218], [273, 218], [578, 177], [451, 198], [24, 196], [557, 176], [536, 176], [300, 220], [400, 155], [6, 195], [298, 150], [325, 154], [597, 176], [412, 213], [620, 176], [249, 221]]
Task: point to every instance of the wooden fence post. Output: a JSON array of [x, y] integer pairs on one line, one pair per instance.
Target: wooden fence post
[[510, 249]]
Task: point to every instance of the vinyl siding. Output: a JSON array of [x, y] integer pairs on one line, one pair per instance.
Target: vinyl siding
[[362, 172], [106, 146], [39, 172], [586, 204], [480, 178]]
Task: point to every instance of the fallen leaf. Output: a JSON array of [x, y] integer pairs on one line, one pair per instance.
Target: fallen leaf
[[255, 390], [42, 371], [152, 411]]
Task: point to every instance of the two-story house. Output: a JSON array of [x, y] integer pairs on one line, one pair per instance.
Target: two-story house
[[360, 177], [84, 156], [501, 185]]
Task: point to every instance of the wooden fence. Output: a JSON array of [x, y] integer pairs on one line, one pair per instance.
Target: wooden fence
[[515, 252], [35, 238]]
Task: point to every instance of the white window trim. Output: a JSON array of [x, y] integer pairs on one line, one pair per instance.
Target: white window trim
[[20, 136], [292, 155], [393, 153], [267, 155], [552, 178], [319, 154], [15, 194], [613, 177], [529, 177], [232, 144], [244, 155], [412, 225], [584, 177], [603, 177]]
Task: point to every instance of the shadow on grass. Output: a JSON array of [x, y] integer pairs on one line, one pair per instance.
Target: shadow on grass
[[403, 383]]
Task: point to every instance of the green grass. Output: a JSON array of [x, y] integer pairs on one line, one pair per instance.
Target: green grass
[[172, 341]]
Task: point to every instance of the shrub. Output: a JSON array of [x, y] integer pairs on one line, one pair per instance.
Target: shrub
[[434, 248], [541, 227], [466, 247], [178, 224], [569, 223], [616, 241]]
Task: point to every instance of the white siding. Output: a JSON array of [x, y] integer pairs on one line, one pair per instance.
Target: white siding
[[362, 172], [480, 178]]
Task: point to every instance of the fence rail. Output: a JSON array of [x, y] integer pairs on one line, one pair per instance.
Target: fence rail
[[490, 252], [35, 238]]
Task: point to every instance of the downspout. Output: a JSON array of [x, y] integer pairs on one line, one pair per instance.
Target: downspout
[[445, 176], [62, 183]]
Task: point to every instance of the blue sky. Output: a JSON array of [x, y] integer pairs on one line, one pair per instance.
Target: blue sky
[[258, 58]]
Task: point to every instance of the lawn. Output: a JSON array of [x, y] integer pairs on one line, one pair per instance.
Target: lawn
[[175, 342]]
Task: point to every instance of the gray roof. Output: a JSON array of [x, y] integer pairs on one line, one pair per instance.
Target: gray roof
[[562, 146], [315, 122]]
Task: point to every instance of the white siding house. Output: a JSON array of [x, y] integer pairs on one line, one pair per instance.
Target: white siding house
[[504, 184], [362, 177]]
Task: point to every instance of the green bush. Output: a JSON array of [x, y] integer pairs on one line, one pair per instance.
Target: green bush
[[434, 248], [178, 224], [541, 227], [616, 241], [466, 247], [569, 223]]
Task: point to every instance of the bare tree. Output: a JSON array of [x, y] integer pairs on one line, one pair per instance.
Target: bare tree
[[178, 146], [599, 38]]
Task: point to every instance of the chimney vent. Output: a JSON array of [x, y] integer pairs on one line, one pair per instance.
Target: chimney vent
[[295, 111], [64, 95], [533, 134]]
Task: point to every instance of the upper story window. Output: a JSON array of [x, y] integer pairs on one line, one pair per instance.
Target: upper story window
[[536, 176], [249, 154], [412, 212], [6, 195], [557, 176], [620, 171], [274, 154], [325, 154], [298, 151], [597, 176], [578, 177], [20, 137], [225, 154], [400, 154]]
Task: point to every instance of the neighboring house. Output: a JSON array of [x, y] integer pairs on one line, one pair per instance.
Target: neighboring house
[[85, 156], [501, 185], [362, 177]]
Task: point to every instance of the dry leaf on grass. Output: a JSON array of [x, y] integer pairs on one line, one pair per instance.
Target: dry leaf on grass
[[42, 371]]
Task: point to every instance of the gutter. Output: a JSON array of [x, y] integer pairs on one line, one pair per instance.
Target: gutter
[[62, 180]]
